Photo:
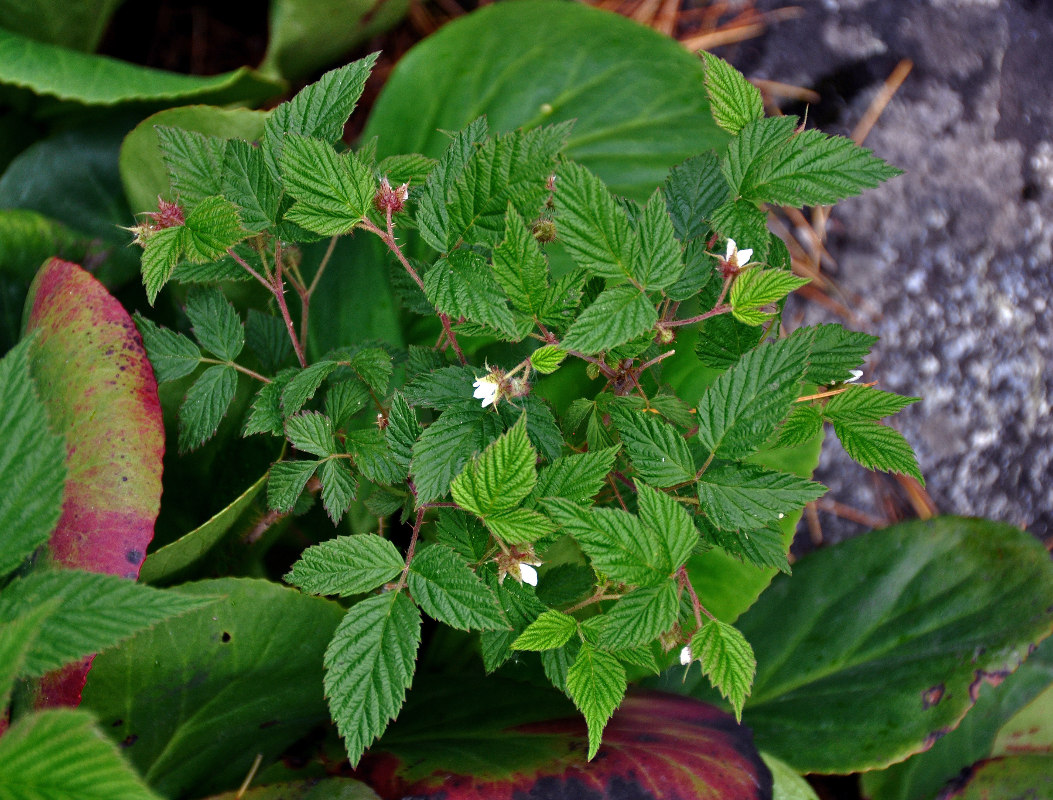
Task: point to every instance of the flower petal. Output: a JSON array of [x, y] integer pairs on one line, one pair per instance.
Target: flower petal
[[685, 655], [528, 574]]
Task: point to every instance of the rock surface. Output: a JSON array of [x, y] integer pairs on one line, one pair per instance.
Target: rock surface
[[953, 258]]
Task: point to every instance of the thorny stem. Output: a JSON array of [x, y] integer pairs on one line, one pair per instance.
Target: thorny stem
[[245, 266], [696, 606], [306, 292], [656, 359], [717, 309], [599, 597], [551, 338], [238, 367], [412, 546], [278, 289], [617, 494]]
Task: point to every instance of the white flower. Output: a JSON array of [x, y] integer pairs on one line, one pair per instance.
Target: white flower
[[528, 574], [486, 389], [856, 375], [737, 258], [685, 655]]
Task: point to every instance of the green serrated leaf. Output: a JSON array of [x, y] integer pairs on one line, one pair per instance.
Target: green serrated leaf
[[618, 315], [205, 405], [266, 413], [411, 168], [592, 226], [95, 612], [346, 565], [727, 659], [500, 478], [547, 358], [345, 399], [441, 387], [835, 351], [17, 637], [659, 454], [521, 607], [302, 387], [742, 408], [463, 534], [368, 667], [250, 185], [372, 365], [549, 631], [734, 101], [542, 429], [216, 324], [640, 616], [519, 525], [37, 752], [433, 219], [161, 252], [737, 496], [577, 477], [802, 425], [447, 444], [742, 221], [756, 144], [756, 288], [723, 340], [670, 522], [333, 192], [369, 450], [864, 404], [462, 285], [520, 266], [878, 447], [194, 162], [692, 192], [311, 432], [338, 488], [286, 482], [761, 547], [660, 263], [447, 589], [403, 430], [212, 228], [596, 683], [319, 110], [172, 355]]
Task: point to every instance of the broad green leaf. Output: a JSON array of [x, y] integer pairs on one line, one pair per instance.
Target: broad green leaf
[[878, 447], [660, 263], [205, 405], [286, 482], [338, 487], [987, 730], [168, 561], [617, 316], [757, 288], [306, 35], [644, 110], [578, 477], [500, 478], [319, 110], [446, 445], [142, 170], [211, 229], [92, 375], [787, 784], [547, 358], [593, 227], [932, 610], [80, 27], [727, 660], [91, 80], [311, 432], [368, 667], [658, 452], [1022, 775], [692, 192], [239, 677], [640, 616], [58, 754], [862, 404], [816, 169], [32, 469], [216, 324], [735, 102], [742, 408], [346, 565], [805, 422], [96, 612], [596, 683], [333, 192], [461, 285], [835, 351], [497, 740], [509, 169], [195, 164], [310, 789], [520, 267], [447, 589], [550, 630], [741, 496], [519, 525], [172, 355]]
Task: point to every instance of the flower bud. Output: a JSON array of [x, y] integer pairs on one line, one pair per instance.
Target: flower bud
[[390, 200]]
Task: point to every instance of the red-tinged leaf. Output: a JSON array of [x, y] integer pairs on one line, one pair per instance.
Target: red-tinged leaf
[[657, 746], [93, 376]]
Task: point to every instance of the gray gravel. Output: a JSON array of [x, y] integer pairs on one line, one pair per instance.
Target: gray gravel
[[954, 258]]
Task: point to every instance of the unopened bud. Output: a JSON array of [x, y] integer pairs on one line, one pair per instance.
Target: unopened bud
[[388, 199], [545, 230]]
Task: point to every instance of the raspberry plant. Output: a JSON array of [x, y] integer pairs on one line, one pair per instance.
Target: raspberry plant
[[567, 532]]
